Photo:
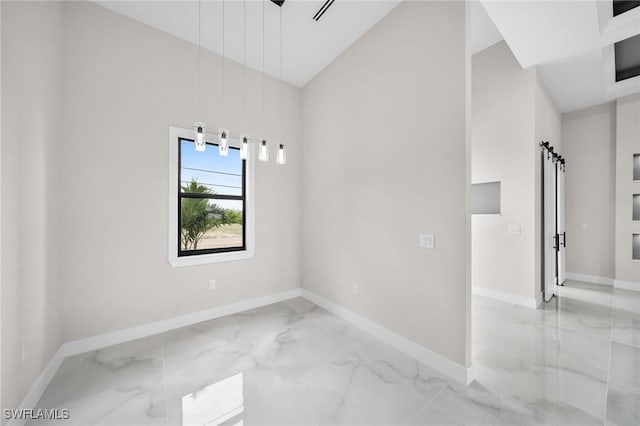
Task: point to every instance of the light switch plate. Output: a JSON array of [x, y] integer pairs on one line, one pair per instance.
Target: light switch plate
[[427, 241], [515, 230], [583, 225]]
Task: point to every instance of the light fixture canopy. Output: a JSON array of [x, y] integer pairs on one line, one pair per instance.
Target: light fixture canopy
[[282, 154], [223, 142], [263, 153], [244, 146], [200, 142]]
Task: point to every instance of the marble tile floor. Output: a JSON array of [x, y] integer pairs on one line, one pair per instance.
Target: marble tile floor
[[576, 361]]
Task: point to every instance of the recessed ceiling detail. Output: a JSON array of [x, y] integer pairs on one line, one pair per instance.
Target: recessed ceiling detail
[[627, 58], [622, 6], [571, 44]]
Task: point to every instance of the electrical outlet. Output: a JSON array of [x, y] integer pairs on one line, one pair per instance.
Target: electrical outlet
[[356, 290], [212, 284], [427, 241], [23, 352], [515, 229]]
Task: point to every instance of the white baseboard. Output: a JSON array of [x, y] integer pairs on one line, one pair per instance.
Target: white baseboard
[[539, 299], [37, 389], [527, 302], [120, 336], [107, 339], [626, 285], [593, 279], [456, 371]]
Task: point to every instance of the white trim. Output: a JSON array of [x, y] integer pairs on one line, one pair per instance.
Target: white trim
[[107, 339], [616, 89], [120, 336], [32, 397], [454, 370], [539, 299], [172, 256], [527, 302], [626, 285], [593, 279]]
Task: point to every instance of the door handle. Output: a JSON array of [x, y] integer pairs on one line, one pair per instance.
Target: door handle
[[564, 239]]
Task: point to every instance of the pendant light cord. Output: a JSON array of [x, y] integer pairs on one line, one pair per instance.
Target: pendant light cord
[[244, 59], [263, 32], [223, 61], [199, 62], [281, 81]]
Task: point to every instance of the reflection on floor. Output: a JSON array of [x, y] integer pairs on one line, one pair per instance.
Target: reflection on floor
[[577, 361]]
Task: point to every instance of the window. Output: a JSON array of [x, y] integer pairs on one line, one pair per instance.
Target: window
[[210, 212]]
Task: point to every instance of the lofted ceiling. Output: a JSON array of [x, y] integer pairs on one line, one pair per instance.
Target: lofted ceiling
[[569, 41], [308, 45], [483, 32]]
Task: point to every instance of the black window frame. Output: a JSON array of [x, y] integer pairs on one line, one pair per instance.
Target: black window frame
[[181, 195]]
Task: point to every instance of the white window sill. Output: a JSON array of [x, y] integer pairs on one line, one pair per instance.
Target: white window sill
[[204, 259]]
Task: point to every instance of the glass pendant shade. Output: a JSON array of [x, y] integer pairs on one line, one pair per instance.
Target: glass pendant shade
[[263, 153], [200, 142], [244, 148], [282, 154], [223, 143]]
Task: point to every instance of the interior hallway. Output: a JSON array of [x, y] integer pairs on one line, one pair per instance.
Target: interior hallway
[[575, 361]]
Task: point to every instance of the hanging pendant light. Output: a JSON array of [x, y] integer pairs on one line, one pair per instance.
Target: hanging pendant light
[[200, 142], [244, 138], [282, 154], [199, 127], [263, 150], [263, 153], [223, 134], [223, 143], [244, 147]]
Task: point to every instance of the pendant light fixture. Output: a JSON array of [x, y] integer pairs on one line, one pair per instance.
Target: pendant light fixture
[[244, 137], [263, 151], [244, 148], [199, 127], [263, 154], [282, 154], [223, 142], [282, 157], [223, 134]]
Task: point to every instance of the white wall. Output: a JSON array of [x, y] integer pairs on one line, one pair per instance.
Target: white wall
[[385, 158], [512, 112], [503, 149], [589, 141], [31, 134], [124, 84], [627, 144]]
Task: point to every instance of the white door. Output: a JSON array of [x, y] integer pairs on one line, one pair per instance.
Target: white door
[[549, 228], [562, 236]]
